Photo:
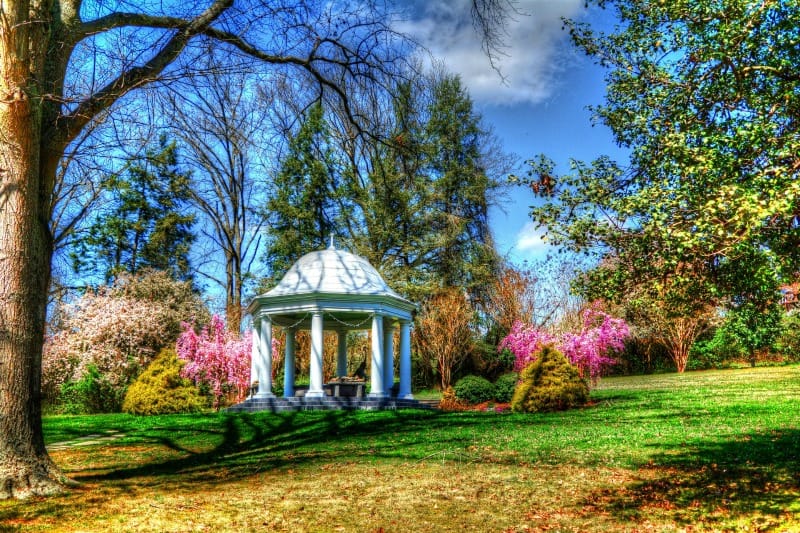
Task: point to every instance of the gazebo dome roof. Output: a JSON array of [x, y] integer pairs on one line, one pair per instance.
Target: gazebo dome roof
[[335, 272]]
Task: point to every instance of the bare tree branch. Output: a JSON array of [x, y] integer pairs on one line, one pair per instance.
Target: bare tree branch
[[138, 76], [490, 19]]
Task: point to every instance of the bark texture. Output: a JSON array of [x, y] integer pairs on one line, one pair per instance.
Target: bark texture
[[25, 250]]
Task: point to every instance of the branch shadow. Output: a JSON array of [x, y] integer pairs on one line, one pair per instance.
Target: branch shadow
[[754, 477], [252, 443], [235, 446]]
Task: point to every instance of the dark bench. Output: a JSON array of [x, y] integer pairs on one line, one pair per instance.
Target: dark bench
[[340, 389], [350, 389]]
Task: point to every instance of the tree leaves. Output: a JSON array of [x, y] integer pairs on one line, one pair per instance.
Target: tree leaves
[[703, 95]]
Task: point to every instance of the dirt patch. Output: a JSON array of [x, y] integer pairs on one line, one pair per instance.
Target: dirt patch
[[86, 440]]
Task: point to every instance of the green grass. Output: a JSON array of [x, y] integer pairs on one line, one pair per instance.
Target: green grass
[[711, 450]]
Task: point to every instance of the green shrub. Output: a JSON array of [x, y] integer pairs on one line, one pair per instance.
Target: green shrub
[[788, 343], [504, 387], [486, 361], [91, 394], [474, 389], [160, 389], [550, 383], [718, 351]]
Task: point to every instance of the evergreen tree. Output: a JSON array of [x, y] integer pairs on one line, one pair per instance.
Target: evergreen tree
[[425, 194], [461, 188], [303, 206], [414, 203], [395, 201], [147, 226]]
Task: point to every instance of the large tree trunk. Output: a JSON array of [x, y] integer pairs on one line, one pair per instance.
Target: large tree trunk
[[25, 251]]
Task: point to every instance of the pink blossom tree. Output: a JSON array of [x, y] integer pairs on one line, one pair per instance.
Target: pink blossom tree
[[218, 358], [525, 341], [589, 349]]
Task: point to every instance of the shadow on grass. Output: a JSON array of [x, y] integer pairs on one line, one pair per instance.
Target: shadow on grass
[[754, 477], [246, 444], [174, 453]]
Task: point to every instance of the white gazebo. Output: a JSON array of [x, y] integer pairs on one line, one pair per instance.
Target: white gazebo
[[337, 291]]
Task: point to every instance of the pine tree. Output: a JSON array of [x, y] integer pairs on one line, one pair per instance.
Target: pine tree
[[395, 201], [425, 196], [303, 207], [461, 188], [147, 226]]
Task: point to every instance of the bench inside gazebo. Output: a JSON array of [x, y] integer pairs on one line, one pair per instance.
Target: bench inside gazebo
[[331, 290]]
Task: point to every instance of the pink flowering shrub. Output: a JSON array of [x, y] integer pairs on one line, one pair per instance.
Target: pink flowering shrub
[[589, 350], [600, 336], [216, 358], [525, 341], [219, 359]]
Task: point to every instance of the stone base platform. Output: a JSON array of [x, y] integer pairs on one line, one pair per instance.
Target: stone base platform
[[326, 403]]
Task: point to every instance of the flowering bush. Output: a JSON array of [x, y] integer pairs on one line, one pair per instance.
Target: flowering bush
[[219, 359], [117, 336], [216, 358], [588, 350], [525, 342], [115, 331]]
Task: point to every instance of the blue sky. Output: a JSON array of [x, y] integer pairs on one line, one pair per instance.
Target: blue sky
[[541, 107]]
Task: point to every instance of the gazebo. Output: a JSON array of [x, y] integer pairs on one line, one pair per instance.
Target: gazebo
[[331, 290]]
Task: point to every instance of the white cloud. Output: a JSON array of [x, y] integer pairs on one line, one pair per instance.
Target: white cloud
[[533, 62], [529, 240]]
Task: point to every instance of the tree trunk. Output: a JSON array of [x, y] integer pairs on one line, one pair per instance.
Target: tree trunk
[[233, 299], [25, 252], [681, 358]]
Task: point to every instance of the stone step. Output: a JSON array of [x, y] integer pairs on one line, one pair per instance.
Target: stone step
[[277, 405]]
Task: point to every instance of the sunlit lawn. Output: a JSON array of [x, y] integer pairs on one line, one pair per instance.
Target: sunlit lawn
[[701, 451]]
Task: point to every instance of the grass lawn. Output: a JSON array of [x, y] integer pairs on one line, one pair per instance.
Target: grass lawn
[[704, 451]]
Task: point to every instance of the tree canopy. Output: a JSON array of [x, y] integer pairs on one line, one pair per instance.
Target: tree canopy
[[706, 96], [147, 225]]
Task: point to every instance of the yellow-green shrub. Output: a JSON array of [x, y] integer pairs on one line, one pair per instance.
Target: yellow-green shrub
[[550, 383], [160, 389]]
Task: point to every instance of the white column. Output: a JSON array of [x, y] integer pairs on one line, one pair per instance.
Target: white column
[[405, 361], [255, 355], [261, 364], [288, 364], [376, 372], [265, 346], [341, 353], [315, 386], [388, 355]]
